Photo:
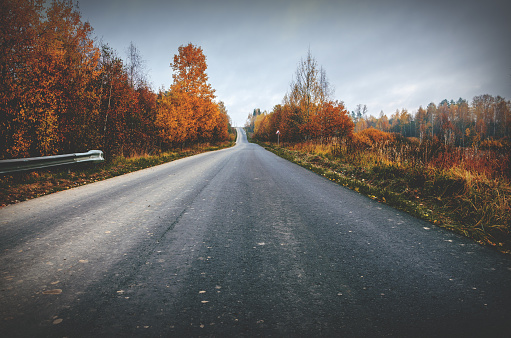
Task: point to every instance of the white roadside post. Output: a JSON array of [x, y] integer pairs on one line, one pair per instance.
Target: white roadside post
[[278, 138]]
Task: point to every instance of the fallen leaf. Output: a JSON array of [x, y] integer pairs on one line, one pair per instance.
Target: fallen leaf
[[52, 292]]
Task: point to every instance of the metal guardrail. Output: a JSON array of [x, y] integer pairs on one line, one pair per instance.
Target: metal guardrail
[[22, 164]]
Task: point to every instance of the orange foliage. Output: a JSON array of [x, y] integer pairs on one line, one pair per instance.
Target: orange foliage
[[373, 137], [59, 93], [326, 122], [53, 93], [332, 120], [187, 113], [307, 113]]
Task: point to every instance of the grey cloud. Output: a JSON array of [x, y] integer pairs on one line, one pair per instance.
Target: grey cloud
[[386, 54]]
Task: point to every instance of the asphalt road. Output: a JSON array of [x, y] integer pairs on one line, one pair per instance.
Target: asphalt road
[[239, 242]]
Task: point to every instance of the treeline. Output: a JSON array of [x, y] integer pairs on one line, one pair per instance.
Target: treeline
[[307, 112], [61, 91], [486, 120]]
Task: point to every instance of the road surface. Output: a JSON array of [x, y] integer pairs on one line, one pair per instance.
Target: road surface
[[239, 242]]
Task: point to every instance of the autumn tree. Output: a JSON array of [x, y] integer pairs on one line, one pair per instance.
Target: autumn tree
[[307, 111], [187, 112], [251, 119], [135, 66], [338, 124], [445, 125], [422, 120], [305, 91], [59, 92], [171, 121], [69, 71], [309, 91], [383, 122], [222, 126], [431, 111], [502, 117], [119, 105], [48, 66], [195, 93], [261, 127], [19, 22], [463, 119]]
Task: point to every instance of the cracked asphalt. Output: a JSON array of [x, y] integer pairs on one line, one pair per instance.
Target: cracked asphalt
[[239, 242]]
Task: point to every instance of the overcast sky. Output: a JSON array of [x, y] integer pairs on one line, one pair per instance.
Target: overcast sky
[[387, 54]]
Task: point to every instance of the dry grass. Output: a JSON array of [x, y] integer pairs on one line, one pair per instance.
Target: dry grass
[[27, 185], [465, 190]]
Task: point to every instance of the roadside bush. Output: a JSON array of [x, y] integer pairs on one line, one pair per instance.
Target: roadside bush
[[383, 171], [443, 185], [417, 177]]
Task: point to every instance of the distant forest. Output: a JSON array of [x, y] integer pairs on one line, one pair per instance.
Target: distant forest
[[308, 113], [61, 91], [453, 122], [485, 121]]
